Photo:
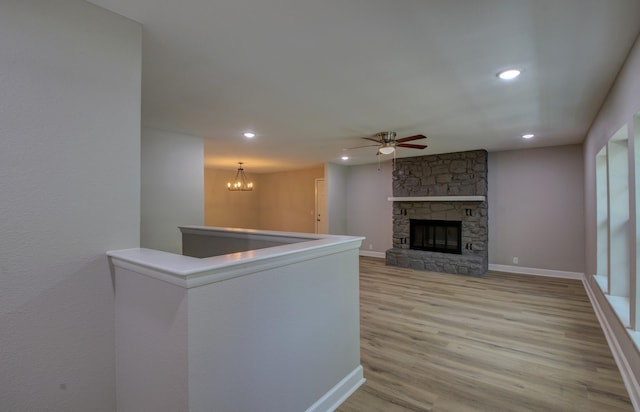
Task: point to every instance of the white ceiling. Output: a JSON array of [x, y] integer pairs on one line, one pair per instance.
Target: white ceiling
[[311, 77]]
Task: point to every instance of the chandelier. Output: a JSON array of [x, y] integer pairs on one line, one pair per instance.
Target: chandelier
[[240, 183]]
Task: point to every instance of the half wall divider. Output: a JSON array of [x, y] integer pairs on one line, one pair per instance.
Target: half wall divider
[[259, 321]]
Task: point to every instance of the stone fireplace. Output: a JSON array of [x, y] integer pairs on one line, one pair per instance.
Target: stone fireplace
[[440, 213]]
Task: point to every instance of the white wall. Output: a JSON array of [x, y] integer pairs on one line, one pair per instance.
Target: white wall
[[69, 185], [536, 210], [151, 344], [172, 188], [336, 180], [370, 213]]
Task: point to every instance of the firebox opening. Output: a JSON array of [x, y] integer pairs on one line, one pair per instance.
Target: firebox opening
[[436, 235]]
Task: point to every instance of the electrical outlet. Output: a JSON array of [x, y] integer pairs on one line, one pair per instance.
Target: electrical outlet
[[370, 246], [515, 260]]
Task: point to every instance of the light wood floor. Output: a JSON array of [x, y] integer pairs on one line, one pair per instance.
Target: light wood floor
[[438, 342]]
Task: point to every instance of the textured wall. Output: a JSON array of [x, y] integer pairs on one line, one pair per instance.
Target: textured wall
[[69, 191]]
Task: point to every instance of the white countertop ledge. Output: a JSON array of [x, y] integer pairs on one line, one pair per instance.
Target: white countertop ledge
[[191, 272]]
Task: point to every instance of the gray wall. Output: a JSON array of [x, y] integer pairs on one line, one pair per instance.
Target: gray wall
[[622, 102], [70, 190], [336, 177], [536, 210], [368, 209], [172, 188], [530, 193]]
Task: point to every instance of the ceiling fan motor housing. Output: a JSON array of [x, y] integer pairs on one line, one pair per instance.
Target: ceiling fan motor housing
[[387, 137]]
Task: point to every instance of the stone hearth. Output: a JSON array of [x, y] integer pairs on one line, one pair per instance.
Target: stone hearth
[[452, 174]]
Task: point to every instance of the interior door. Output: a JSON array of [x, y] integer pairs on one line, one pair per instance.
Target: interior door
[[321, 206]]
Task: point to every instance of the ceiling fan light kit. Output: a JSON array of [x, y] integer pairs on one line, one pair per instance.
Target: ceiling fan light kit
[[387, 149], [509, 74]]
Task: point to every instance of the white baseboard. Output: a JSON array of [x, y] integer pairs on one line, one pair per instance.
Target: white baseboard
[[536, 272], [330, 401], [371, 253], [629, 378]]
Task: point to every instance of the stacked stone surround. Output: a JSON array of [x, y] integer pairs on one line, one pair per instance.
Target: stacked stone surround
[[451, 174]]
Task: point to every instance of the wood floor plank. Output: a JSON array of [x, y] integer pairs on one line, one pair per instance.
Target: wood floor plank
[[506, 342]]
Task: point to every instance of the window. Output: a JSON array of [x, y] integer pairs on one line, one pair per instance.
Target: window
[[602, 216], [618, 207], [634, 284], [618, 224]]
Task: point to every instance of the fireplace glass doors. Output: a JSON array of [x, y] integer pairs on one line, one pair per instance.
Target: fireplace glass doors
[[436, 235]]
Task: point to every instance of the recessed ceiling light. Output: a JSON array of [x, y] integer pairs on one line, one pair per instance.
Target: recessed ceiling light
[[527, 136], [509, 74], [345, 157], [249, 135]]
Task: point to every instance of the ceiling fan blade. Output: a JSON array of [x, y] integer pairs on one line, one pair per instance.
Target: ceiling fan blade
[[412, 146], [359, 147], [410, 138], [373, 139]]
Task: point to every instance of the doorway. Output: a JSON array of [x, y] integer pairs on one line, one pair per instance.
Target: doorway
[[321, 207]]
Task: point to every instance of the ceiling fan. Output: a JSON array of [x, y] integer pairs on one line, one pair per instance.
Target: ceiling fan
[[387, 142]]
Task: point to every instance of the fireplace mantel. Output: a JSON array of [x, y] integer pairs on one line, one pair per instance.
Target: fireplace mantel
[[438, 199]]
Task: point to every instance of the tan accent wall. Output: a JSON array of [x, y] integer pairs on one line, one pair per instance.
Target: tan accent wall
[[287, 200], [280, 201], [229, 209]]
